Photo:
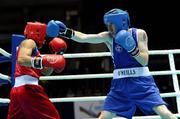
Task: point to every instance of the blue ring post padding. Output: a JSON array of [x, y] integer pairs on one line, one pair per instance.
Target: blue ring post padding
[[16, 40], [4, 59]]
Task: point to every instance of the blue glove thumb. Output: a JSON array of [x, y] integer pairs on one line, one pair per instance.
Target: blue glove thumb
[[52, 29]]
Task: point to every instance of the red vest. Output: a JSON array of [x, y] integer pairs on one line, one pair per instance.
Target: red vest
[[22, 70]]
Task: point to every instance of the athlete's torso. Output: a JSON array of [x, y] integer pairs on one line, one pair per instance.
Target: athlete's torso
[[22, 70]]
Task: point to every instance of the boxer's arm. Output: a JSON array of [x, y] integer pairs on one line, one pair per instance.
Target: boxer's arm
[[25, 51], [58, 28], [102, 37], [143, 56]]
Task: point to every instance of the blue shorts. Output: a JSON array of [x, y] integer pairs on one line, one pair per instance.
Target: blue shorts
[[128, 93]]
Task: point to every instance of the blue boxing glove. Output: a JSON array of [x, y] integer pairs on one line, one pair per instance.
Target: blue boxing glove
[[58, 28], [125, 39]]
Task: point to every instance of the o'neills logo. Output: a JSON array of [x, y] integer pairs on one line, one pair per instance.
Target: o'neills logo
[[51, 59], [127, 72], [118, 48]]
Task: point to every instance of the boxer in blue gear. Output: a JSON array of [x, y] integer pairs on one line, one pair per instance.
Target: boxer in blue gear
[[132, 85]]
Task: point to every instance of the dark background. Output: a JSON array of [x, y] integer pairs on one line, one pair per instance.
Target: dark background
[[160, 19]]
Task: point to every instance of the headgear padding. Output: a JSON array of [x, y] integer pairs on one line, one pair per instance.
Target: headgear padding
[[117, 17], [35, 31]]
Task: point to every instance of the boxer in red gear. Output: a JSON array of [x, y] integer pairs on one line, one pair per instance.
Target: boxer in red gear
[[28, 99]]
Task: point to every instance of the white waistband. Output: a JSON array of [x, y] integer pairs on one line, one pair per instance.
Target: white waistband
[[131, 72], [25, 79]]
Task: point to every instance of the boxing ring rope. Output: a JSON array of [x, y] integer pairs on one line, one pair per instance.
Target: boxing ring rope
[[5, 77], [172, 72], [6, 54]]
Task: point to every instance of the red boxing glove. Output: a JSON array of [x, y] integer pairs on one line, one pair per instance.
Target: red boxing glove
[[57, 45], [55, 61]]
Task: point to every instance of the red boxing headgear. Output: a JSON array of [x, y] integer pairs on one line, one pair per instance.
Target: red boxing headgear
[[36, 31]]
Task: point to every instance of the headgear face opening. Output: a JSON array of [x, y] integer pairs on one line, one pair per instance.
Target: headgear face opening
[[119, 18], [36, 31]]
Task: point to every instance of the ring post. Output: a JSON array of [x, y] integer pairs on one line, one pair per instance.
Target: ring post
[[16, 40]]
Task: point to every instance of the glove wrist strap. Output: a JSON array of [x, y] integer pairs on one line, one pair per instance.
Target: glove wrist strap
[[69, 33], [36, 62], [134, 52]]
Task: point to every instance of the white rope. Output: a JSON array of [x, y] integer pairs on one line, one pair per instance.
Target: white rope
[[103, 75], [101, 98], [140, 117], [79, 99], [104, 54], [3, 100], [150, 117], [81, 76], [87, 55], [89, 76], [62, 100], [93, 98], [3, 52], [5, 77], [164, 52]]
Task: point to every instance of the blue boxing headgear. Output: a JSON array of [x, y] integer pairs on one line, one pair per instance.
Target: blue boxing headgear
[[117, 17]]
